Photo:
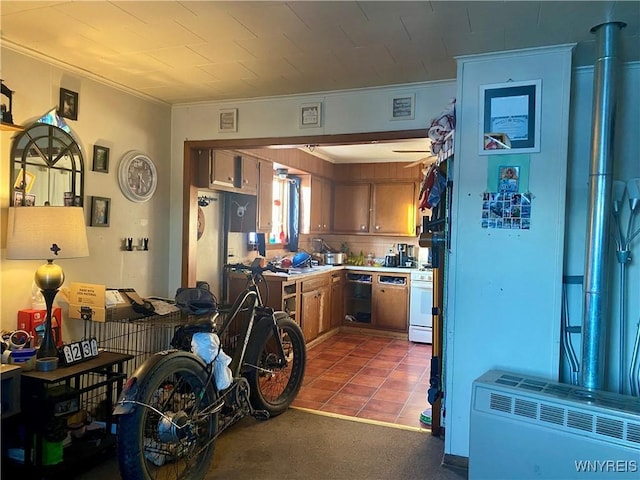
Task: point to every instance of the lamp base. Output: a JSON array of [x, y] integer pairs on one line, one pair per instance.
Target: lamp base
[[48, 346]]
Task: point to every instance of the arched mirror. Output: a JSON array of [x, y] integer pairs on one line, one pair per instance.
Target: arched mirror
[[48, 166]]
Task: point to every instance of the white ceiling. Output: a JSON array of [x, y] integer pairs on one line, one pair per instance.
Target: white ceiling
[[191, 51]]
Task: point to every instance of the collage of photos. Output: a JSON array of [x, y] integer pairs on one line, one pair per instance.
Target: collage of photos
[[506, 210]]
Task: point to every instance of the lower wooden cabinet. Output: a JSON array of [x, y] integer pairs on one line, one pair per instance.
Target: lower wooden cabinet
[[377, 300], [322, 302], [315, 306], [337, 299], [391, 302]]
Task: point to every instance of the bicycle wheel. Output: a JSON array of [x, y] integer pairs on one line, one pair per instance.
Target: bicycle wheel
[[169, 437], [274, 384]]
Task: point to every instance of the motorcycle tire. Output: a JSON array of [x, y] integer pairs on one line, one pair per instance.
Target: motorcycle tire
[[273, 386], [167, 436]]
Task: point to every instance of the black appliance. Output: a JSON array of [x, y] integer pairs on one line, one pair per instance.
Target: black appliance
[[403, 256]]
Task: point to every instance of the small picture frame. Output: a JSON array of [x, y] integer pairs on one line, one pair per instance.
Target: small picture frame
[[100, 159], [29, 199], [68, 107], [496, 141], [403, 107], [510, 110], [228, 120], [509, 176], [310, 115], [24, 181], [100, 211]]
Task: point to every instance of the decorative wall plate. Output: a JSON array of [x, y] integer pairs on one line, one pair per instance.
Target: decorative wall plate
[[137, 176]]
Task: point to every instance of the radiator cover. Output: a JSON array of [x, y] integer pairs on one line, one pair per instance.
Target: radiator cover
[[527, 427]]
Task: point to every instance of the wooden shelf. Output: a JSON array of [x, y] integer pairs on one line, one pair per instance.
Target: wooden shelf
[[10, 127]]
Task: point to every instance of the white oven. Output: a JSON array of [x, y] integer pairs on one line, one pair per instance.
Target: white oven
[[420, 306]]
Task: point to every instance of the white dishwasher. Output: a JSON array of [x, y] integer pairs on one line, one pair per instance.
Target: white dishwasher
[[420, 306]]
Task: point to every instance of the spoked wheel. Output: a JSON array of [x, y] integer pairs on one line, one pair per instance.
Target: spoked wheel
[[275, 381], [170, 437]]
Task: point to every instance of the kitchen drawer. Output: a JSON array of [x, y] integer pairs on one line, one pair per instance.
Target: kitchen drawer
[[315, 283]]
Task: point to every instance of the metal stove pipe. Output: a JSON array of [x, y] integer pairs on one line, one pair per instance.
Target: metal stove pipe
[[605, 81]]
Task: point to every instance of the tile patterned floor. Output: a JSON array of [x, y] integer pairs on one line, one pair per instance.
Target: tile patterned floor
[[368, 377]]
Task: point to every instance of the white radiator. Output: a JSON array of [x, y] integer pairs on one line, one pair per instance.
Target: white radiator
[[526, 427]]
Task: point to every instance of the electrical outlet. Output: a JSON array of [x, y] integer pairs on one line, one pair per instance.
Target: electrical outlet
[[231, 252]]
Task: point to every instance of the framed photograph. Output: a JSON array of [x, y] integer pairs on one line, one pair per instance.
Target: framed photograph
[[100, 211], [510, 118], [100, 159], [403, 107], [508, 180], [310, 115], [68, 107], [29, 199], [24, 181], [496, 141], [228, 120]]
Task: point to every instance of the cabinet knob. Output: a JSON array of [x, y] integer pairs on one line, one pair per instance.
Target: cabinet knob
[[362, 227], [377, 227]]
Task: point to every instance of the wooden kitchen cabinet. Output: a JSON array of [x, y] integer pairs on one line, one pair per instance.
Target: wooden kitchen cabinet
[[377, 300], [337, 299], [315, 306], [249, 174], [390, 298], [265, 196], [321, 201], [222, 168], [380, 208], [394, 208], [351, 207]]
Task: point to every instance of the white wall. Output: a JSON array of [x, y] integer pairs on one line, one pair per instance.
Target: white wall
[[626, 164], [210, 245], [351, 111], [122, 122], [504, 288]]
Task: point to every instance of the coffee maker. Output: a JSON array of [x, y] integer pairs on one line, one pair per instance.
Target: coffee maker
[[403, 257], [411, 256]]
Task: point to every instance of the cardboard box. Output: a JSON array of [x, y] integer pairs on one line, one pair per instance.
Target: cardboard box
[[30, 320], [97, 304]]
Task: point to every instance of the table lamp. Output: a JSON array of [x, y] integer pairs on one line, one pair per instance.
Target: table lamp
[[47, 233]]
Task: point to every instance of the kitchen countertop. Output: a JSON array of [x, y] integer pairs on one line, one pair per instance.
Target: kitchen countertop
[[296, 273]]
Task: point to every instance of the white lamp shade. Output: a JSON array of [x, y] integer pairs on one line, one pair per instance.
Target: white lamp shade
[[46, 233]]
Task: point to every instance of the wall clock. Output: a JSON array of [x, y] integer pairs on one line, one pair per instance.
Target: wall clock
[[137, 176]]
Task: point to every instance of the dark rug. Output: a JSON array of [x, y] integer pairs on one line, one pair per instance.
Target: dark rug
[[302, 445]]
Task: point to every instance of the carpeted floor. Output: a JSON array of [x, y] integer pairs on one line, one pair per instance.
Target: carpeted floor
[[309, 446]]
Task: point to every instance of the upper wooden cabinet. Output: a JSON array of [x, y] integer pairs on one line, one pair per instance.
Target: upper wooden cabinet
[[222, 168], [394, 208], [321, 201], [226, 170], [265, 196], [351, 207], [381, 208], [249, 174]]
